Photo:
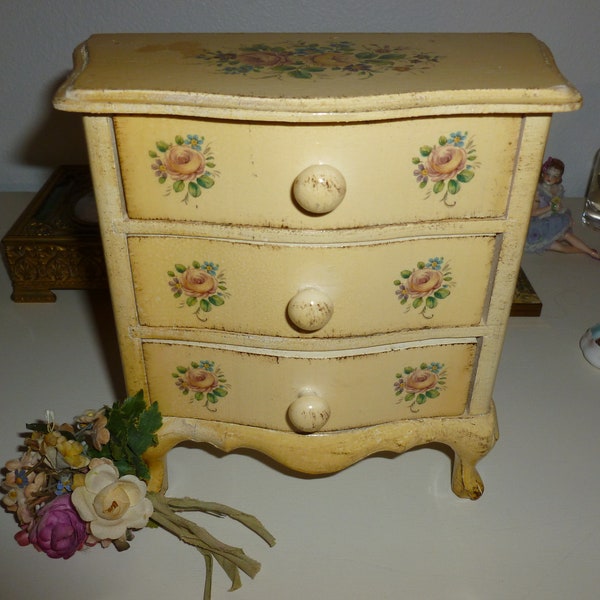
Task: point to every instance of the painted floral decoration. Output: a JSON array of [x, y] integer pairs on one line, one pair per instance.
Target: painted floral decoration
[[447, 165], [205, 381], [201, 285], [186, 165], [83, 484], [304, 60], [416, 385], [425, 286]]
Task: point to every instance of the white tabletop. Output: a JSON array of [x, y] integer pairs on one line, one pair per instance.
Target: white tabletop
[[386, 528]]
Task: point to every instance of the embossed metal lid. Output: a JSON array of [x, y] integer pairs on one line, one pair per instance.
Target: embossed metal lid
[[315, 77]]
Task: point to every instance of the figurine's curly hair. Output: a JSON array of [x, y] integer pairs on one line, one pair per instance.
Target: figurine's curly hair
[[553, 163]]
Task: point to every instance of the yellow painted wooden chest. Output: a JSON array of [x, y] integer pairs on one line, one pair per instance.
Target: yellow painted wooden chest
[[313, 240]]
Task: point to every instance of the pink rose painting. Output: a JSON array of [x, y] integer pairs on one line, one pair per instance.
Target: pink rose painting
[[204, 381], [200, 286], [417, 385], [425, 286], [446, 166], [185, 167], [301, 59]]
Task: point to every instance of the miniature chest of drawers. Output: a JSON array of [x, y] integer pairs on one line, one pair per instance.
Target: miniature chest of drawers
[[312, 240]]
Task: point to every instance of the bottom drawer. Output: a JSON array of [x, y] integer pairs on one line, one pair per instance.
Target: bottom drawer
[[324, 391]]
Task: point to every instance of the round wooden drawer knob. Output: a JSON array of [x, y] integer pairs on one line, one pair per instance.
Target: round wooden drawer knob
[[310, 309], [319, 188], [308, 413]]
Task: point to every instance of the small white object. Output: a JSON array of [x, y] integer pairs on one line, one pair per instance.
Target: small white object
[[589, 346]]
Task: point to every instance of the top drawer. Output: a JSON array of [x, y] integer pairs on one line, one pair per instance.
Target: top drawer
[[386, 172]]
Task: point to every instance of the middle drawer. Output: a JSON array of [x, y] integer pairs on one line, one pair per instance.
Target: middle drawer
[[318, 290]]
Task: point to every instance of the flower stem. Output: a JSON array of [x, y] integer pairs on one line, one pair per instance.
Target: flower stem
[[230, 558]]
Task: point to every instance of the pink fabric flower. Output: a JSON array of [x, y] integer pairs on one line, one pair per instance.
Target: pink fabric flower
[[58, 530]]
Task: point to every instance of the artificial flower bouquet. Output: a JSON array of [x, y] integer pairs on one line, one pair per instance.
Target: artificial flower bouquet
[[84, 484]]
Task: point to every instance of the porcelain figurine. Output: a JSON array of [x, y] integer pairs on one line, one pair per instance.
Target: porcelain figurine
[[550, 227]]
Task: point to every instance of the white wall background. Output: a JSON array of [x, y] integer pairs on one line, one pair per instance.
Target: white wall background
[[37, 38]]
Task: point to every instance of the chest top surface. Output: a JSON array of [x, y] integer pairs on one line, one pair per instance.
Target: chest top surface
[[315, 77]]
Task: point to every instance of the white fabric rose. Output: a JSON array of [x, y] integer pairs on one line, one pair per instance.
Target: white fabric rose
[[111, 504]]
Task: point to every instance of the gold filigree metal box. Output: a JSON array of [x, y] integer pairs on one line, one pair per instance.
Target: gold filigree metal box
[[55, 243], [313, 240]]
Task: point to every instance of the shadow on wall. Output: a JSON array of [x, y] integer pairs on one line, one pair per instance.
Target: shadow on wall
[[57, 138]]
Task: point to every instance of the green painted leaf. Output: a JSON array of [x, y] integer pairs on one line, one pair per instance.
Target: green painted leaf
[[409, 397], [162, 179], [179, 140], [206, 181], [199, 396], [466, 175], [191, 301], [301, 74], [205, 305], [431, 302], [152, 154], [416, 160], [442, 293], [182, 370], [180, 268], [216, 300], [421, 399], [195, 264], [421, 264], [179, 185], [438, 187], [212, 398], [406, 274], [432, 393], [417, 302], [221, 392], [194, 189], [162, 146], [210, 165], [425, 150], [442, 140], [453, 186], [397, 282]]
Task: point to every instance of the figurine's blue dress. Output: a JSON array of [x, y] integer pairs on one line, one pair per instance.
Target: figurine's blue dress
[[547, 229]]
